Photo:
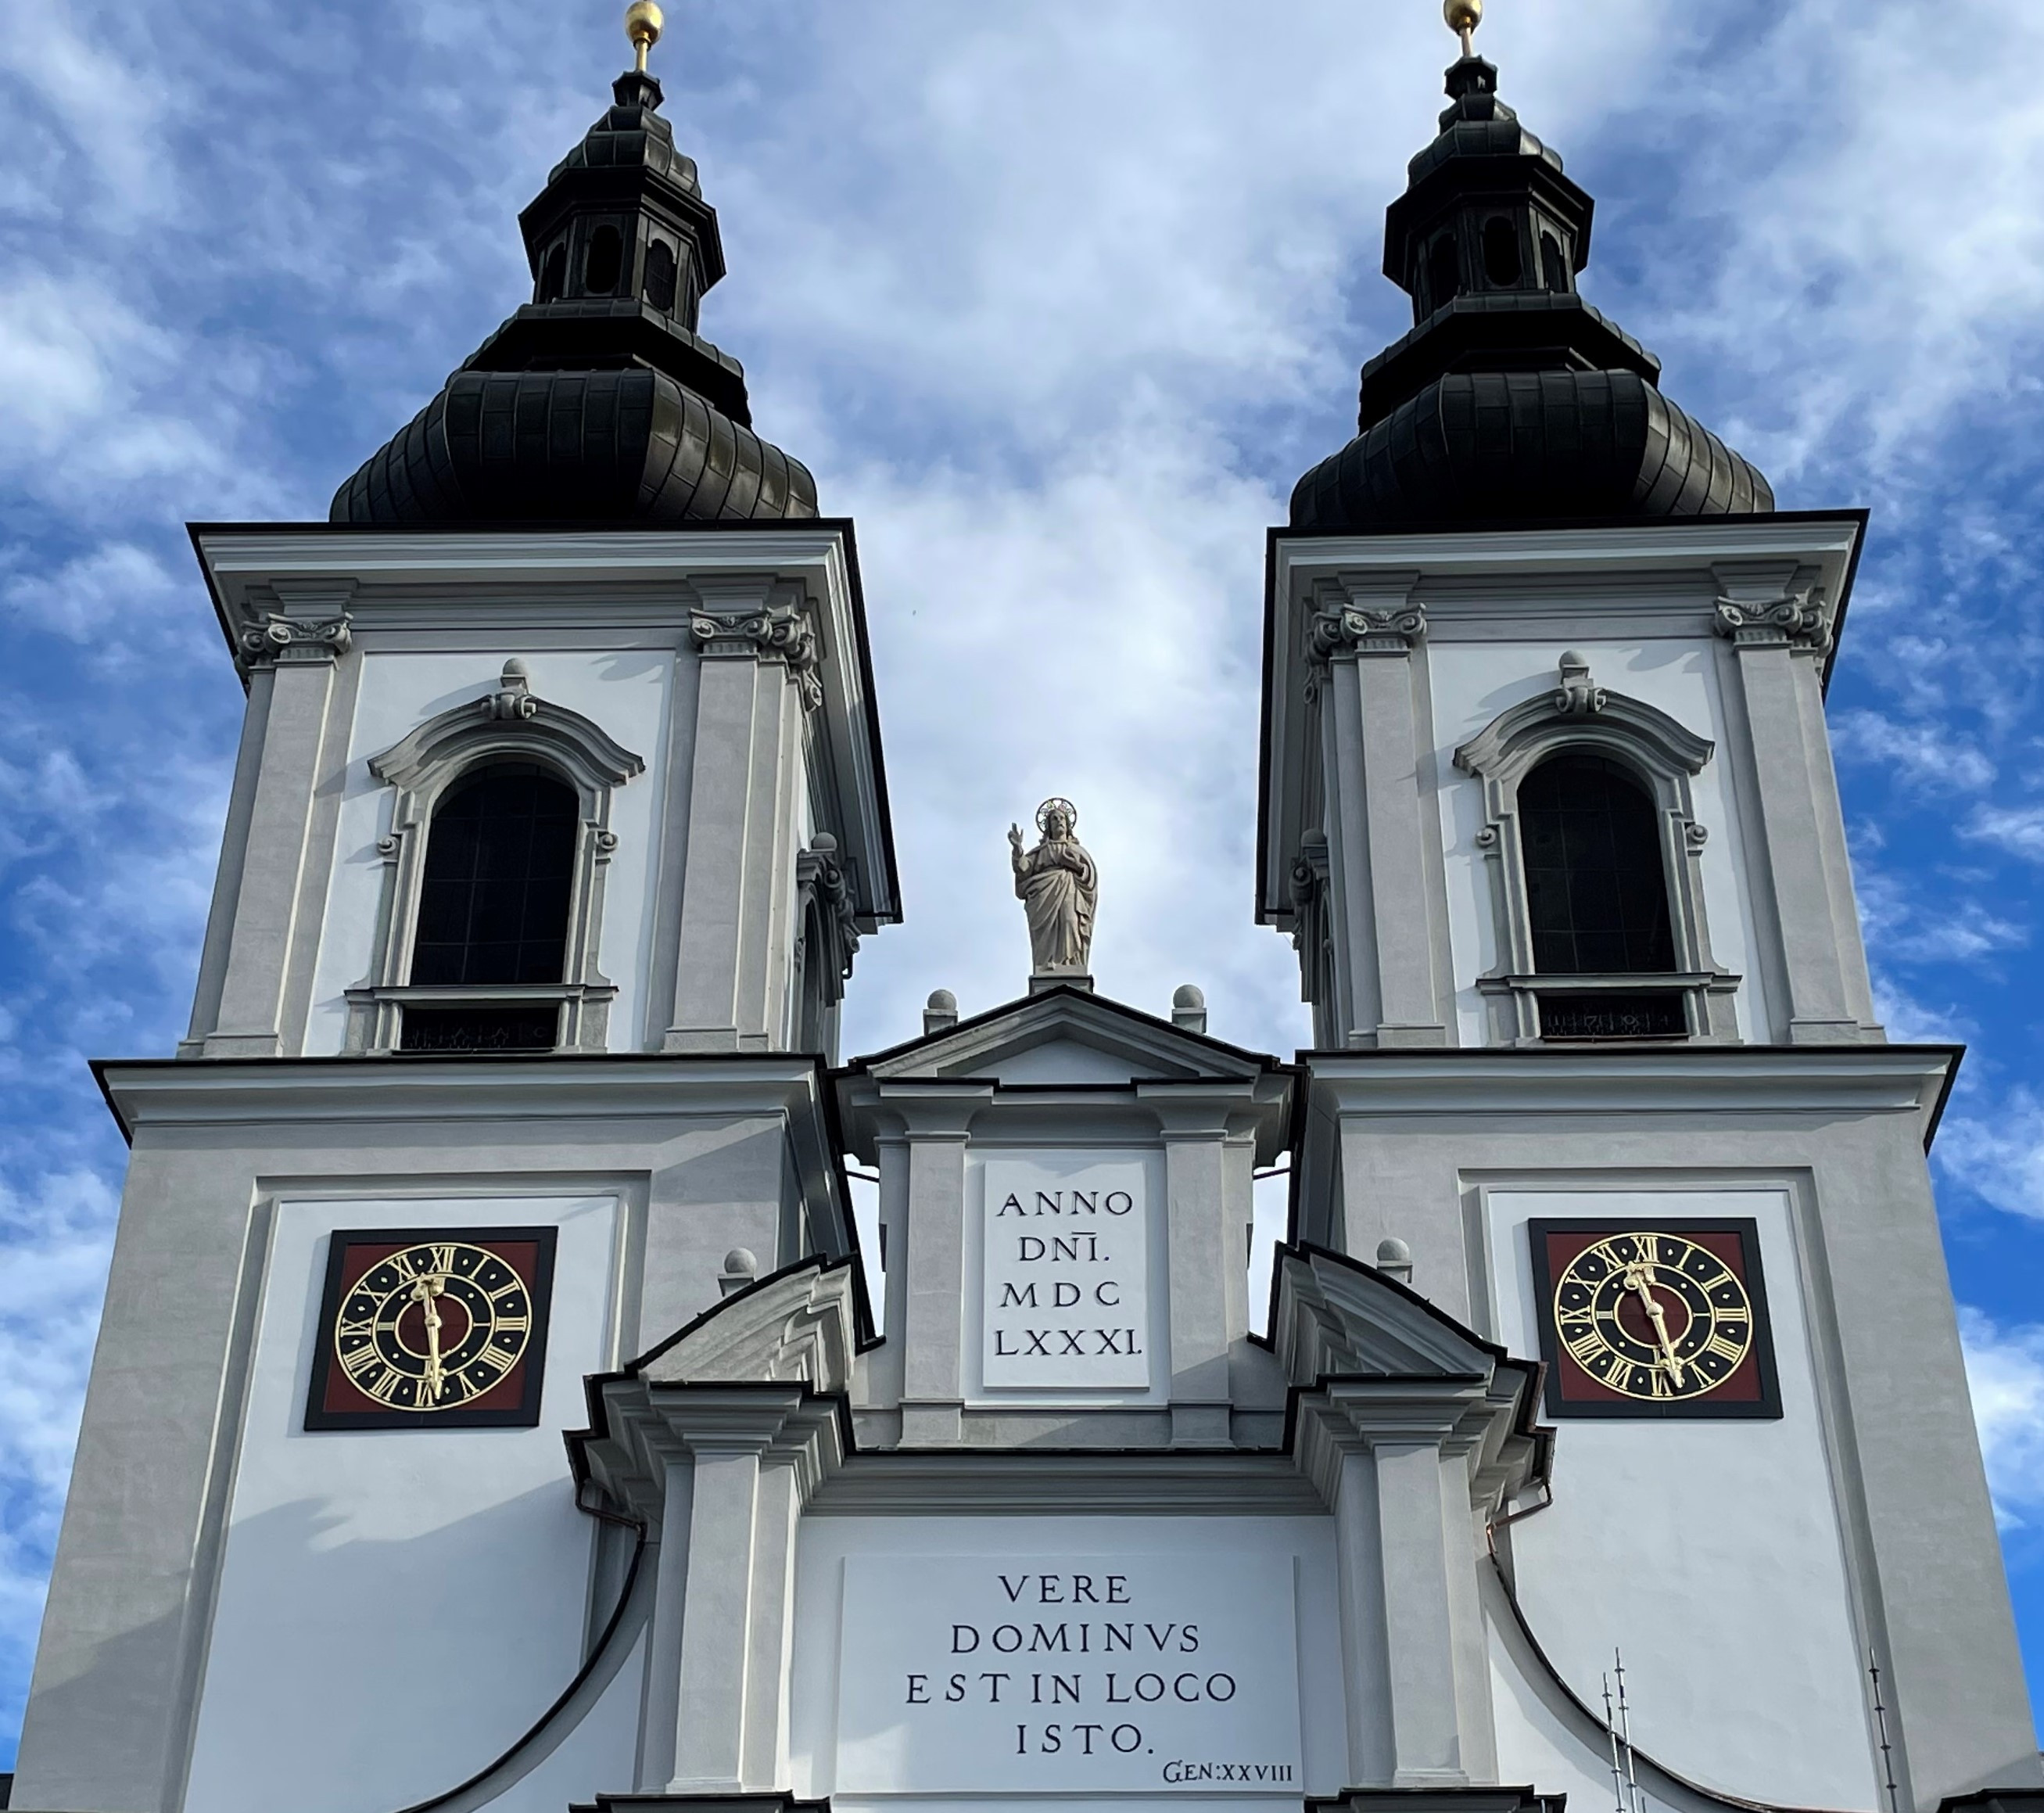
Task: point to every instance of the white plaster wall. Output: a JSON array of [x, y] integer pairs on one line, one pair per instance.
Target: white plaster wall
[[628, 692], [1472, 682], [396, 1606], [1533, 1745], [1709, 1552], [1202, 1544]]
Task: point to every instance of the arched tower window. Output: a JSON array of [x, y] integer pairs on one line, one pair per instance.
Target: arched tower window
[[605, 264], [1596, 889], [1443, 278], [1595, 856], [553, 274], [1500, 252], [499, 875], [1553, 267], [660, 276]]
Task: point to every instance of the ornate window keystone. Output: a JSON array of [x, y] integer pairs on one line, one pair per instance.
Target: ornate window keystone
[[1690, 997], [509, 724], [782, 628]]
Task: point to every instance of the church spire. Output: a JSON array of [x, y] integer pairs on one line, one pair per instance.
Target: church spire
[[598, 401], [1512, 399]]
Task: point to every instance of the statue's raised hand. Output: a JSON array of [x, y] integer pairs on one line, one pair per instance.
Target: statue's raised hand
[[1015, 838]]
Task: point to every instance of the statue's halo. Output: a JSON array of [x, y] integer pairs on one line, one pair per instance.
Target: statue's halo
[[1071, 815]]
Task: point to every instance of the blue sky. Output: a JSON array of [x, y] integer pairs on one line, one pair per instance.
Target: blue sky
[[1057, 299]]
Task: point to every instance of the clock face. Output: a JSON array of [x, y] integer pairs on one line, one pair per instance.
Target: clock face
[[433, 1329], [1662, 1319]]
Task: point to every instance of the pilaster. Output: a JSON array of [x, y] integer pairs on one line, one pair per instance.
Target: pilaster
[[1779, 635], [758, 654], [292, 654], [1388, 901], [932, 1281]]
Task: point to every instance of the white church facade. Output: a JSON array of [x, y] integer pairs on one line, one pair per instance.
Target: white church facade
[[495, 1405]]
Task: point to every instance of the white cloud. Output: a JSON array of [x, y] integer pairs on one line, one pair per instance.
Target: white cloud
[[1911, 918], [2019, 830], [2005, 1374], [1999, 1154], [1926, 757]]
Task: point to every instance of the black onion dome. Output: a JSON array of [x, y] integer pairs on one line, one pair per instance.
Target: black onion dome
[[598, 401], [1512, 399]]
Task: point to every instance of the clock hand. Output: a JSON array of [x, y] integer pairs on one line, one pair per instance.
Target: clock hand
[[424, 1293], [1635, 1276]]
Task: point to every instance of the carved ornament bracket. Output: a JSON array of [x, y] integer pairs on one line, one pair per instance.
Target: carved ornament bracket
[[770, 631], [1801, 620]]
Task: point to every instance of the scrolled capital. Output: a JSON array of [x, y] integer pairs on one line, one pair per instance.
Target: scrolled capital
[[278, 638], [1796, 620], [775, 632]]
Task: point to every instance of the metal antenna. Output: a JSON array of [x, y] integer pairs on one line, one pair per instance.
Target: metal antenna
[[1880, 1724], [1611, 1727], [1625, 1737]]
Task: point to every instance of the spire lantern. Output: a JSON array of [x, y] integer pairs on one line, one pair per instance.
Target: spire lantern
[[1512, 399], [640, 419]]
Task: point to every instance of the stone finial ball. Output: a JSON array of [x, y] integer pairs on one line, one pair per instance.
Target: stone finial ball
[[644, 22], [741, 1263], [1188, 997], [943, 1001], [1393, 1252]]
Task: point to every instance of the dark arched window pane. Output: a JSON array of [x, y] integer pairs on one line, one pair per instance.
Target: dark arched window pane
[[1596, 891], [660, 276], [605, 261], [1553, 267], [500, 866], [1500, 252], [1443, 278], [553, 274]]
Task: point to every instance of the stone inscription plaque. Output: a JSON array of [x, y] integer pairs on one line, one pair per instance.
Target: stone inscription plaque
[[1066, 1304], [1051, 1675]]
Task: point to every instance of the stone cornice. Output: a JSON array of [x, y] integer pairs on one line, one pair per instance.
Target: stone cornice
[[1699, 1082], [230, 1094]]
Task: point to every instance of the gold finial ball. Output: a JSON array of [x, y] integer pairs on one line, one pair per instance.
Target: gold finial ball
[[644, 23], [1463, 16]]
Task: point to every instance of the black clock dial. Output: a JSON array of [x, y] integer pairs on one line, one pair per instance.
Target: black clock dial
[[433, 1327], [1653, 1316]]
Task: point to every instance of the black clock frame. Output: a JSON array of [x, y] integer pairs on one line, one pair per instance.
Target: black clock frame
[[540, 1289], [1708, 1407]]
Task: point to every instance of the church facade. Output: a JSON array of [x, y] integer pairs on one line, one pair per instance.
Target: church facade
[[495, 1405]]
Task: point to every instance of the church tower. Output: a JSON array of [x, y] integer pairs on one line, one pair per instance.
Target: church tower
[[494, 1407]]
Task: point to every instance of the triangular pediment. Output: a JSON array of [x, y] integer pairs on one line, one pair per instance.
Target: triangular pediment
[[1066, 1037]]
